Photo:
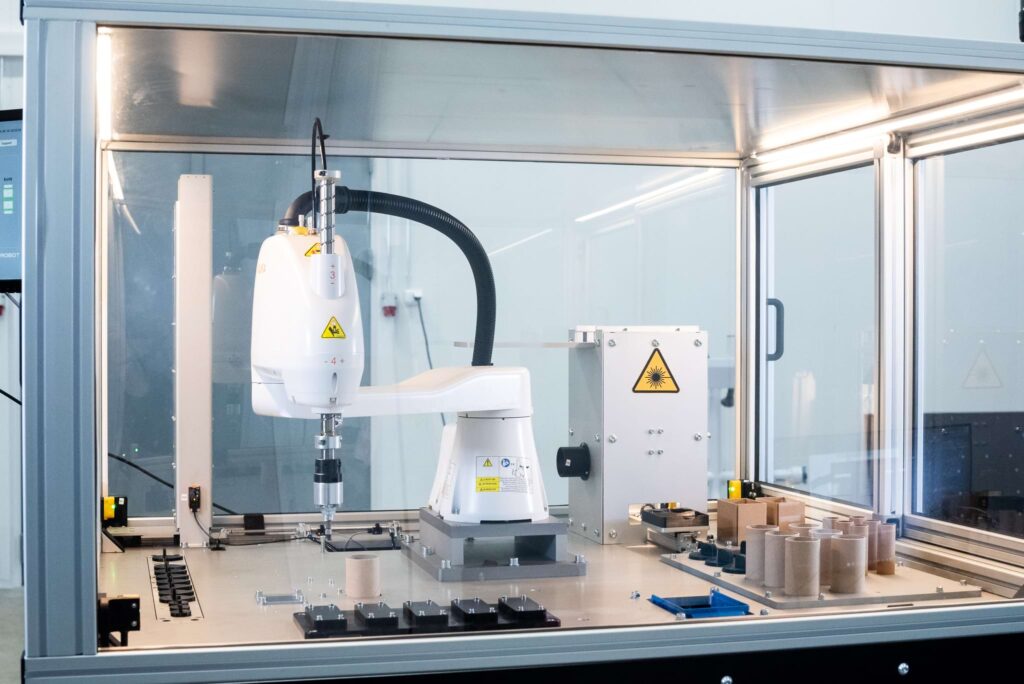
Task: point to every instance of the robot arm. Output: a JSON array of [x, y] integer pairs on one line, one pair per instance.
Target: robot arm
[[307, 362]]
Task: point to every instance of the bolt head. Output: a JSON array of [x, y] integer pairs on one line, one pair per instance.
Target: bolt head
[[611, 343], [612, 439], [726, 679], [764, 611], [903, 669], [655, 343], [697, 437]]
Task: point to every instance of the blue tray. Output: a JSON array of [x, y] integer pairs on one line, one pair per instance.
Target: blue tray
[[714, 604]]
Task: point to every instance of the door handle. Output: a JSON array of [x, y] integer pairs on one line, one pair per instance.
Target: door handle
[[780, 328]]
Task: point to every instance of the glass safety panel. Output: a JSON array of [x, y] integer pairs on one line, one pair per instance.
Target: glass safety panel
[[818, 338], [969, 409], [584, 244]]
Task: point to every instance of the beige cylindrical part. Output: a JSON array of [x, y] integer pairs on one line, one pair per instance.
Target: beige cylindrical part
[[872, 542], [849, 564], [858, 519], [362, 576], [828, 522], [803, 566], [775, 558], [885, 563], [858, 531], [843, 526], [804, 529], [825, 564], [755, 552]]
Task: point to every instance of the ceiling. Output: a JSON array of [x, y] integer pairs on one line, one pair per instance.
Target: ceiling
[[421, 93]]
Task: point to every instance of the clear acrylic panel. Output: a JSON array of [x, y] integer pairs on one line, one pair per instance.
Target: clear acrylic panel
[[821, 337], [569, 244], [969, 415]]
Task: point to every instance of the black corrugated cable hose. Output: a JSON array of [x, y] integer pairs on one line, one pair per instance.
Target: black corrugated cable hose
[[368, 201]]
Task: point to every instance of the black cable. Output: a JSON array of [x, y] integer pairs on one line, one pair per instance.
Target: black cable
[[13, 398], [426, 344], [346, 200], [318, 135], [195, 516], [158, 478], [361, 546]]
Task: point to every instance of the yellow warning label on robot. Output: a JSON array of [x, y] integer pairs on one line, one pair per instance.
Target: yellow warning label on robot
[[333, 331], [488, 484], [488, 464], [656, 376], [315, 249]]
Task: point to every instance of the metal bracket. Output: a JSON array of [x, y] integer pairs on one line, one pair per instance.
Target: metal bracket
[[279, 599], [118, 614]]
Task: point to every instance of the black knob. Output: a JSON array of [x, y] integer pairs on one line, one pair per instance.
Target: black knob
[[574, 461]]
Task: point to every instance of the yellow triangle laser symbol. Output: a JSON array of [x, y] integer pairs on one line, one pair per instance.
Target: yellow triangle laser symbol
[[488, 464], [315, 249], [656, 376], [333, 331]]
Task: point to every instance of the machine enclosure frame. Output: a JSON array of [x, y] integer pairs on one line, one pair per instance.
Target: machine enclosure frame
[[63, 285]]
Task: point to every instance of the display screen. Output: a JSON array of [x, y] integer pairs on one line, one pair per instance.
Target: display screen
[[10, 201]]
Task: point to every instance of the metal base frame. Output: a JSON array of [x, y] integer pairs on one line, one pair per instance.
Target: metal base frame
[[451, 552], [907, 586]]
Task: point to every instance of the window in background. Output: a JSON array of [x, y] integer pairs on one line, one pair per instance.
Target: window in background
[[570, 244], [969, 408], [818, 405]]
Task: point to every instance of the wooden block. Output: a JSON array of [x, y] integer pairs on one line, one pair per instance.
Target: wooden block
[[735, 514], [783, 512]]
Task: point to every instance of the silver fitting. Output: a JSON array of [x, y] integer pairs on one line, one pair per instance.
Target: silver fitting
[[324, 207], [327, 441]]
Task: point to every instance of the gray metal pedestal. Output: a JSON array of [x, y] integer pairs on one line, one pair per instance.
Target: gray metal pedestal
[[469, 552]]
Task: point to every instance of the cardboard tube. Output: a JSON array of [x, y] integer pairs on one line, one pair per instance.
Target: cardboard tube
[[849, 564], [362, 576], [825, 564], [775, 558], [872, 542], [886, 561], [829, 522], [804, 529], [755, 552], [803, 558], [843, 526]]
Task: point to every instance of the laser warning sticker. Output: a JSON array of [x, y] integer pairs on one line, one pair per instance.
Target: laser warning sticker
[[315, 249], [502, 474], [333, 331], [656, 376]]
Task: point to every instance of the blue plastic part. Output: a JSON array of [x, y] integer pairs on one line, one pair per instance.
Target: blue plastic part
[[715, 604]]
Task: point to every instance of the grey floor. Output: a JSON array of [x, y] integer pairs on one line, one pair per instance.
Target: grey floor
[[11, 635]]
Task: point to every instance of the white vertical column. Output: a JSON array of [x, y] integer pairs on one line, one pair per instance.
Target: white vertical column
[[193, 355], [895, 358]]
